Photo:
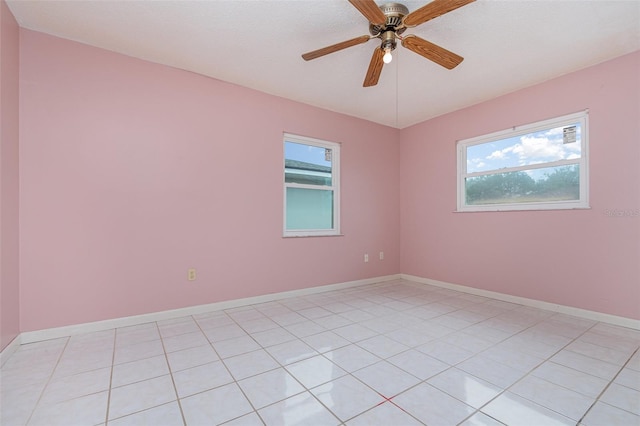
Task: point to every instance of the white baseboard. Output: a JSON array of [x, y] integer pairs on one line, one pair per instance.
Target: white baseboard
[[70, 330], [57, 332], [569, 310], [10, 349]]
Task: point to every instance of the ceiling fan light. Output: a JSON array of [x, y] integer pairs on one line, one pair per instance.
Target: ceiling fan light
[[387, 56]]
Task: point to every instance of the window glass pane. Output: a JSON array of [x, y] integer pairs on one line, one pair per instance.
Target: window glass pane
[[558, 143], [307, 164], [561, 183], [309, 209]]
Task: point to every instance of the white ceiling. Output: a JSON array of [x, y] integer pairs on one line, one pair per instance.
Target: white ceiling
[[507, 45]]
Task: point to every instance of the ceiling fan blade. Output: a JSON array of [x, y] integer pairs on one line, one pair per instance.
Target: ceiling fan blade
[[432, 10], [431, 51], [335, 47], [370, 10], [375, 68]]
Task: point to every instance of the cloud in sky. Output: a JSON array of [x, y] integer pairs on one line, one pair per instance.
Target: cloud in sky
[[476, 163], [535, 149], [538, 148], [497, 155], [529, 149]]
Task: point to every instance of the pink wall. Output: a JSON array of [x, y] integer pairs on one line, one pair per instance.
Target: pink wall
[[9, 238], [133, 172], [584, 258]]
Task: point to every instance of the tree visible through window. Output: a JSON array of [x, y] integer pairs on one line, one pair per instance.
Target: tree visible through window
[[538, 166]]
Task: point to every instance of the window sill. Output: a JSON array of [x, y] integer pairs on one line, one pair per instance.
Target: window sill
[[533, 209], [313, 236]]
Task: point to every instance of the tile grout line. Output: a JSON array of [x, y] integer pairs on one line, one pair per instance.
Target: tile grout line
[[548, 359], [451, 366], [527, 373], [150, 378], [389, 399], [607, 386], [173, 382], [227, 369], [493, 344], [255, 410], [280, 366], [408, 349], [113, 360], [283, 366], [35, 407], [279, 326]]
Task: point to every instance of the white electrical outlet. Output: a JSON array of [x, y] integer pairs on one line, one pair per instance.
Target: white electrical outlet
[[366, 258], [191, 274], [381, 255]]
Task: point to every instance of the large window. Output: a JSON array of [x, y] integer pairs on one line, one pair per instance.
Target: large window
[[539, 166], [311, 187]]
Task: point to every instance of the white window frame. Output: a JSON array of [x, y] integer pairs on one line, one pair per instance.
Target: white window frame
[[335, 186], [583, 162]]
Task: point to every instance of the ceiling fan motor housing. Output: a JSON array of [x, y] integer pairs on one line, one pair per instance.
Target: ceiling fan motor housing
[[394, 12]]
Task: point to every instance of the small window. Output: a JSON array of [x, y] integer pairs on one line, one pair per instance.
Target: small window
[[539, 166], [311, 187]]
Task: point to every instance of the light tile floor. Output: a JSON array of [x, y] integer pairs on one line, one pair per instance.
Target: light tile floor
[[393, 353]]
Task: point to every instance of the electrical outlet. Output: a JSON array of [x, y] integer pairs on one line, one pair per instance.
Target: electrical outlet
[[191, 274], [366, 258], [381, 255]]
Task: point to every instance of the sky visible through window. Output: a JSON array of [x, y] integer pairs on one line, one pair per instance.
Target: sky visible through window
[[532, 148], [306, 153]]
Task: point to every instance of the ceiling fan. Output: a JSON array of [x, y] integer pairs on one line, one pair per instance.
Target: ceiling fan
[[388, 22]]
